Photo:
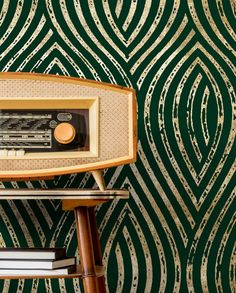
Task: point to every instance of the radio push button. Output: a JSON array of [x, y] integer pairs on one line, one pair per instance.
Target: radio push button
[[20, 153], [3, 153], [11, 153], [64, 133]]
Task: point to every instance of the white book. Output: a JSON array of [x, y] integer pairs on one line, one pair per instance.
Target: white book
[[36, 264], [32, 253], [13, 272]]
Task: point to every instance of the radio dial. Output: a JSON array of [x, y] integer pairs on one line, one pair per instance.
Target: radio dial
[[64, 133]]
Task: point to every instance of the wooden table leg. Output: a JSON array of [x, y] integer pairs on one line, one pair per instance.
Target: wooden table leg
[[97, 249], [86, 250]]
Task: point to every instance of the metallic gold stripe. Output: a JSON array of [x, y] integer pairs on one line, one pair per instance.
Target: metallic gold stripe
[[28, 43], [206, 36], [167, 202], [214, 27], [220, 256], [132, 10], [119, 5], [210, 243], [12, 25], [204, 123], [166, 229], [142, 57], [201, 228], [121, 271], [96, 41], [3, 13], [67, 41]]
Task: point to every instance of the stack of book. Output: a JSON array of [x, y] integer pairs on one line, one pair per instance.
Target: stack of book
[[35, 262]]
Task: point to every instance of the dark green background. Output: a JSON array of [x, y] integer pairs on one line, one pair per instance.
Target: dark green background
[[176, 233]]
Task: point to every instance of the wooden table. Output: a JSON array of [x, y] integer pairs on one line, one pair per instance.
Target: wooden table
[[83, 203]]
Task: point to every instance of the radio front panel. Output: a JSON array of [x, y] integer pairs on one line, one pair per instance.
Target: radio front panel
[[53, 125], [24, 132], [45, 127]]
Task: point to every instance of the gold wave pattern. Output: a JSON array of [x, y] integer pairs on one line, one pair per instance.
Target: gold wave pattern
[[176, 232]]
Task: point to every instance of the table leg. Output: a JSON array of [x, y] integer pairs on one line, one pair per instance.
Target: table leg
[[85, 243], [97, 249]]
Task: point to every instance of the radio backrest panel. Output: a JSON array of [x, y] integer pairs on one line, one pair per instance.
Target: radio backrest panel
[[51, 125]]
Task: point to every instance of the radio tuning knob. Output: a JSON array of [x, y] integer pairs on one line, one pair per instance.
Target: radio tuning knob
[[64, 133]]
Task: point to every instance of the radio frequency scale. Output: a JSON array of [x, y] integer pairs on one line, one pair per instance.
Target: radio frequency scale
[[42, 131], [52, 125]]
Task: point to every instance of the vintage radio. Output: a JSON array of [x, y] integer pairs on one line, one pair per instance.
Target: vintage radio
[[51, 125]]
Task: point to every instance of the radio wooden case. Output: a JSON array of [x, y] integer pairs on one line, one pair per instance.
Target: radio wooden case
[[110, 114]]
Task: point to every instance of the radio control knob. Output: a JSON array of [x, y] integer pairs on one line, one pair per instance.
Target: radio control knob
[[64, 133]]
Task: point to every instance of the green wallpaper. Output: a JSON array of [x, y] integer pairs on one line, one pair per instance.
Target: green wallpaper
[[176, 233]]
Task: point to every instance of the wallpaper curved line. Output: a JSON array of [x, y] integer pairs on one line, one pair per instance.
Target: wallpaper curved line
[[176, 233]]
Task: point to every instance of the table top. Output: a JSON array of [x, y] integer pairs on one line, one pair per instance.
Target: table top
[[82, 194]]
